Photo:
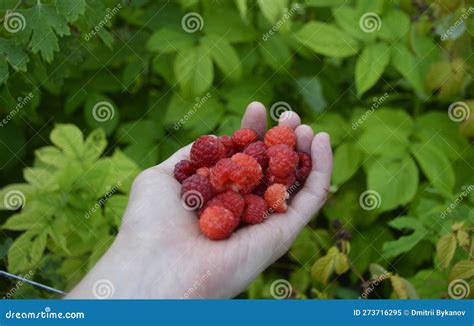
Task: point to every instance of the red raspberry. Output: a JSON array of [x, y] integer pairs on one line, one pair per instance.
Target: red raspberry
[[204, 171], [220, 174], [183, 169], [240, 173], [287, 181], [228, 144], [229, 199], [207, 150], [255, 210], [195, 192], [280, 135], [275, 197], [217, 222], [283, 160], [248, 175], [258, 151], [304, 166], [243, 137]]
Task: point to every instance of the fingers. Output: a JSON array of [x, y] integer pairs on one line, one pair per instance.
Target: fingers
[[290, 119], [313, 195], [255, 117], [304, 138]]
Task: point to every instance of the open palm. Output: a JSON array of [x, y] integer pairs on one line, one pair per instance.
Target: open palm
[[161, 253]]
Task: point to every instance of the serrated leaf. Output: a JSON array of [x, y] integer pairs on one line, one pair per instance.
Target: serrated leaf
[[445, 249], [370, 66], [224, 55], [395, 181], [435, 166], [70, 139], [43, 25], [403, 288], [14, 55], [71, 9], [462, 270], [327, 40], [194, 71]]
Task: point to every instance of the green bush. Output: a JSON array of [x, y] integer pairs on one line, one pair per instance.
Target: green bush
[[389, 80]]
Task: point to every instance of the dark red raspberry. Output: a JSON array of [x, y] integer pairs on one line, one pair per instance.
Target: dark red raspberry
[[220, 174], [280, 135], [183, 169], [283, 160], [255, 209], [304, 166], [206, 151], [228, 144], [195, 191], [217, 222], [258, 151], [243, 137]]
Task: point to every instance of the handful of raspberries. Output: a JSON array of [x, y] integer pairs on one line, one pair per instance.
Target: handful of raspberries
[[240, 180]]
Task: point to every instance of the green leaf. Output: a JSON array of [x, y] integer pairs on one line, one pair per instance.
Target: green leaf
[[430, 284], [272, 10], [26, 251], [42, 28], [347, 158], [341, 263], [435, 166], [327, 40], [275, 52], [395, 25], [325, 3], [404, 243], [243, 7], [194, 71], [71, 9], [25, 221], [396, 181], [311, 89], [224, 55], [462, 270], [402, 288], [101, 112], [14, 55], [445, 249], [370, 66], [70, 139], [407, 65], [169, 39], [324, 266], [348, 19]]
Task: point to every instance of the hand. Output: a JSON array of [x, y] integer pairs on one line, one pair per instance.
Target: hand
[[161, 253]]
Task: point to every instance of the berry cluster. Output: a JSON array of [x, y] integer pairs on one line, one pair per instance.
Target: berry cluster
[[240, 180]]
